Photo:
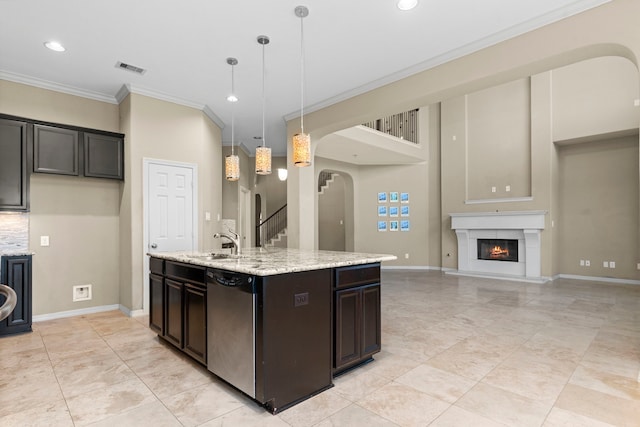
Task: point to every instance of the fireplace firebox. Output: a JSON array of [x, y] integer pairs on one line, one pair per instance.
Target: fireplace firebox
[[498, 249]]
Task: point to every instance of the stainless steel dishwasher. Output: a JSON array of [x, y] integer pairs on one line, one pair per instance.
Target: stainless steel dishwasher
[[231, 320]]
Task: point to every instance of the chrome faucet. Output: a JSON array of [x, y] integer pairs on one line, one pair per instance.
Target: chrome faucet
[[234, 237]]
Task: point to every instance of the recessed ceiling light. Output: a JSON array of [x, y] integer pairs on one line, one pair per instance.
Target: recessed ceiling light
[[407, 4], [55, 46]]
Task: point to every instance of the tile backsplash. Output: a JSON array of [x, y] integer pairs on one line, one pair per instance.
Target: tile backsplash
[[14, 231]]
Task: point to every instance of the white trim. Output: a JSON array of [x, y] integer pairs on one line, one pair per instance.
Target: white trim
[[78, 312], [56, 87], [503, 200], [597, 279], [146, 161], [482, 275]]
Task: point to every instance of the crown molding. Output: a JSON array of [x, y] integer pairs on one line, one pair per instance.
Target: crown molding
[[488, 41], [56, 87], [127, 88]]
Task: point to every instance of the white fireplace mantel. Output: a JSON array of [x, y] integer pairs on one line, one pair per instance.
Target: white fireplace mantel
[[525, 226]]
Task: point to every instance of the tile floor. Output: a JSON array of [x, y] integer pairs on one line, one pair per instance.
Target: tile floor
[[458, 351]]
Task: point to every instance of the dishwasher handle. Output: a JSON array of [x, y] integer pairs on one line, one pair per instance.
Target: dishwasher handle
[[229, 279]]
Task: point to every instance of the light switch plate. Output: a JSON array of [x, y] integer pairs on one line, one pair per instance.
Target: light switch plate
[[44, 240]]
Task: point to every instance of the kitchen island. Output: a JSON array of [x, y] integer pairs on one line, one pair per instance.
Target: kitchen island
[[276, 324]]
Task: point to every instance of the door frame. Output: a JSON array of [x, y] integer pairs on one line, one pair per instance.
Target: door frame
[[146, 162], [246, 229]]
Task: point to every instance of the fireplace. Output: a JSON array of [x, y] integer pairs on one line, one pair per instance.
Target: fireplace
[[500, 244], [498, 249]]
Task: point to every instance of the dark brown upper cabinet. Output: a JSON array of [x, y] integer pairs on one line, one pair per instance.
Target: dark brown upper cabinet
[[14, 165], [103, 156], [55, 150]]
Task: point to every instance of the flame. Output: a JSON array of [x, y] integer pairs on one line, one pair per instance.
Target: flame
[[498, 252]]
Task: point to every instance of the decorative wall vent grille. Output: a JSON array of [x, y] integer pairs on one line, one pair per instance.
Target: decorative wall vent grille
[[130, 67]]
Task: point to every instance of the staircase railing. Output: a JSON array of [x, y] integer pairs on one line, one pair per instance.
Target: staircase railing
[[323, 178], [272, 226], [401, 125]]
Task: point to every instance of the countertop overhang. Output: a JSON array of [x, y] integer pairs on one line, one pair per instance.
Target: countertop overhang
[[270, 262]]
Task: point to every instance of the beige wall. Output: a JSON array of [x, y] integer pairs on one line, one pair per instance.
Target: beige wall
[[80, 215], [498, 141], [164, 131], [599, 208], [595, 97]]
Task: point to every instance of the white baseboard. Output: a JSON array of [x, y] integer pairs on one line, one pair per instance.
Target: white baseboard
[[78, 312], [597, 279], [409, 267], [481, 275]]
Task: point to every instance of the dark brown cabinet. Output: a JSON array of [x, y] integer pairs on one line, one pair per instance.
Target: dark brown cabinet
[[357, 328], [16, 273], [156, 295], [55, 150], [195, 322], [14, 165], [103, 156], [178, 306], [173, 313]]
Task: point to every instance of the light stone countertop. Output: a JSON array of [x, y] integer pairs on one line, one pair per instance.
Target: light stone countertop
[[269, 262], [16, 252]]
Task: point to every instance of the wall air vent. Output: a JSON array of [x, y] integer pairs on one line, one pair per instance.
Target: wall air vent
[[131, 68]]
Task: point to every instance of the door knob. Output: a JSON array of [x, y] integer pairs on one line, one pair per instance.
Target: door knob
[[153, 246]]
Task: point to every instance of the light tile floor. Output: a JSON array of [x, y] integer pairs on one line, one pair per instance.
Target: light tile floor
[[457, 351]]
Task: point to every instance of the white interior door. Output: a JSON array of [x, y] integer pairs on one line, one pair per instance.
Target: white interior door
[[170, 211], [170, 208]]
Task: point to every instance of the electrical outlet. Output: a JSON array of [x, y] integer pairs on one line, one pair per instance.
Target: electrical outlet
[[44, 240], [587, 263], [406, 256], [507, 188], [605, 264], [493, 189], [638, 266], [81, 293], [612, 264], [581, 263]]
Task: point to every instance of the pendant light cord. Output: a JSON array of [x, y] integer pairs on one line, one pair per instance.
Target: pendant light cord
[[302, 74], [263, 98], [233, 109]]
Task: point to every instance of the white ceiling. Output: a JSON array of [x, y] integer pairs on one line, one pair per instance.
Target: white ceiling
[[351, 46]]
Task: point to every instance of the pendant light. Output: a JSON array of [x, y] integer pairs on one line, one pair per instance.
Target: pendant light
[[301, 141], [232, 161], [263, 154]]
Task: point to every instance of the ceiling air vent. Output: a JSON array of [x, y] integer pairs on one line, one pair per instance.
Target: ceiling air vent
[[130, 67]]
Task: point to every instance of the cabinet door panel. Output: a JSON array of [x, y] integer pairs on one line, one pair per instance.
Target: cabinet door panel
[[195, 322], [14, 174], [55, 150], [173, 311], [347, 334], [103, 156], [371, 328], [16, 273], [156, 309]]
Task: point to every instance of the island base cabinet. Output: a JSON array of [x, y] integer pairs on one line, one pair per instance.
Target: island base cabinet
[[195, 322], [178, 306], [357, 327], [156, 309], [173, 312], [293, 342]]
